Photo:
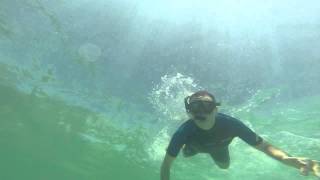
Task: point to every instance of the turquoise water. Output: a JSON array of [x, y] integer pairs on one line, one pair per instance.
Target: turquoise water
[[94, 90]]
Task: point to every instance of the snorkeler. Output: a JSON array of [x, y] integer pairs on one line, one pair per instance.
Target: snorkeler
[[208, 131]]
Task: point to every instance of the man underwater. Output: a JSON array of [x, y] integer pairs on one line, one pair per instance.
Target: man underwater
[[208, 131]]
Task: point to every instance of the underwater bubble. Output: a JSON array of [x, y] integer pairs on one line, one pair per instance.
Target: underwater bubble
[[89, 52]]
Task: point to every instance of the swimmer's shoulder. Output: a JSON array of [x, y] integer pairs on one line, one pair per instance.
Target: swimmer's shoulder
[[226, 119], [186, 127]]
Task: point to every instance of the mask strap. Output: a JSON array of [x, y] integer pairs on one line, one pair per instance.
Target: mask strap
[[186, 103]]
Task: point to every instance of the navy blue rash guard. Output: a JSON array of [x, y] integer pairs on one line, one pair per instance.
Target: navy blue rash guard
[[219, 136]]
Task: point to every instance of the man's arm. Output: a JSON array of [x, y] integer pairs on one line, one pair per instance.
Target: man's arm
[[271, 151], [303, 164], [165, 167]]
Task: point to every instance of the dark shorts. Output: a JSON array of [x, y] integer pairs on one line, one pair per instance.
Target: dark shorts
[[220, 154]]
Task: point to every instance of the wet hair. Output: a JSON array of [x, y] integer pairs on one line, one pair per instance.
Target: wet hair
[[202, 93]]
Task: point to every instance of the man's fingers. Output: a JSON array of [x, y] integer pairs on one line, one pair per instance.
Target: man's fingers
[[316, 168], [304, 161], [307, 166], [304, 171]]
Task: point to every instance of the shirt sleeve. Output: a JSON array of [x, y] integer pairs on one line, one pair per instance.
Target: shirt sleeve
[[177, 141], [246, 134]]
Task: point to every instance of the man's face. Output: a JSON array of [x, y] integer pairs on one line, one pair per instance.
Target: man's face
[[202, 107]]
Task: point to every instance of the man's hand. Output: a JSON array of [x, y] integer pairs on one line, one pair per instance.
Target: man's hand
[[304, 164]]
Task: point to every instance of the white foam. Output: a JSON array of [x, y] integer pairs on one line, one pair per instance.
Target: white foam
[[157, 150]]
